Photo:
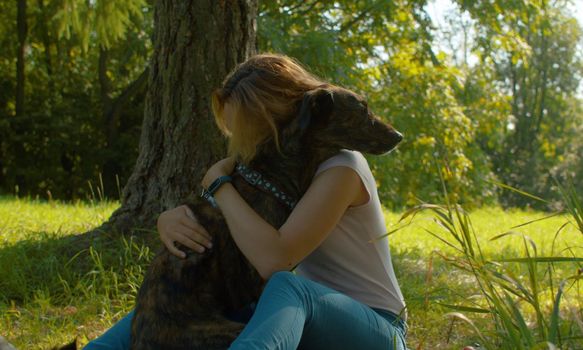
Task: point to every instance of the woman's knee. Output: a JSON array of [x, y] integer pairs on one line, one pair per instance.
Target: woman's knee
[[283, 279]]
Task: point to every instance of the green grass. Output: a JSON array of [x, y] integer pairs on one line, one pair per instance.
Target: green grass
[[513, 305], [50, 294]]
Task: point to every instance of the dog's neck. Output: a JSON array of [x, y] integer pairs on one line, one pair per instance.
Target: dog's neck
[[293, 170]]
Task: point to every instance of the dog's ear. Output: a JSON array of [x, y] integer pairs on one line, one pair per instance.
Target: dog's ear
[[316, 107], [314, 110]]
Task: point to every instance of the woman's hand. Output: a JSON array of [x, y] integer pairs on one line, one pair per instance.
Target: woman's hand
[[222, 167], [180, 225]]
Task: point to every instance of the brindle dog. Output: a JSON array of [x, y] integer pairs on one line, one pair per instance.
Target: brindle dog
[[182, 302]]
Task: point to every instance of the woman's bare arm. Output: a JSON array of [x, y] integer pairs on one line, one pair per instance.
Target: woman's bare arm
[[316, 214]]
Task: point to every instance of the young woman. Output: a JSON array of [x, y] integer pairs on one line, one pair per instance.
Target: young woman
[[344, 293]]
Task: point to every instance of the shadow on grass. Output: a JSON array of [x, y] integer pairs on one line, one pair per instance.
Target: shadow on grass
[[66, 267]]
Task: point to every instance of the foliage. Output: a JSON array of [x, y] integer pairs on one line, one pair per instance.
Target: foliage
[[522, 317], [107, 21], [530, 49], [62, 141], [387, 49], [511, 114]]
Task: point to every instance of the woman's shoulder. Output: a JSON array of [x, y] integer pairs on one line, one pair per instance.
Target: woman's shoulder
[[352, 159]]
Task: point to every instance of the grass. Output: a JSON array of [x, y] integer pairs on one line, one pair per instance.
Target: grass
[[436, 280], [49, 295]]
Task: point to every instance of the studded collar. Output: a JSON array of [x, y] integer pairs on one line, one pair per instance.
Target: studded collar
[[254, 178]]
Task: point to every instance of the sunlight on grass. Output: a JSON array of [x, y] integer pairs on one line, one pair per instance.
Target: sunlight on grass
[[489, 222], [48, 298], [438, 273], [21, 218]]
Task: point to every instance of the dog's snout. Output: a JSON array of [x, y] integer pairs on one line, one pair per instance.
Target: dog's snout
[[398, 136]]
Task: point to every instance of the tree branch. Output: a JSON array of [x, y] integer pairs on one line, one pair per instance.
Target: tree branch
[[104, 82], [114, 113], [358, 18]]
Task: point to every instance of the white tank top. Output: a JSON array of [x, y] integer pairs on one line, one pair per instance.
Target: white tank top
[[347, 260]]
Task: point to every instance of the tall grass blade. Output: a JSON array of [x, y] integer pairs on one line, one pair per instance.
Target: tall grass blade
[[463, 317], [526, 295], [102, 190], [554, 323], [450, 229], [92, 199], [118, 187], [417, 209], [389, 233], [534, 285], [509, 329], [537, 220], [515, 300], [542, 259], [443, 240], [571, 200], [556, 236], [465, 308], [513, 189], [525, 332], [505, 234]]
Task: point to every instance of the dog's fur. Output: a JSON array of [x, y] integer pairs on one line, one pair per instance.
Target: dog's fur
[[182, 302]]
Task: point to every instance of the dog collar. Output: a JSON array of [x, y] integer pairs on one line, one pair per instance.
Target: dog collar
[[254, 178]]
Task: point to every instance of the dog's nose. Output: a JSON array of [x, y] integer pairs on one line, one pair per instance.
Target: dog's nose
[[398, 136], [394, 139]]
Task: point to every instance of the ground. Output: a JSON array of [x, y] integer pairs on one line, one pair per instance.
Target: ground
[[50, 295]]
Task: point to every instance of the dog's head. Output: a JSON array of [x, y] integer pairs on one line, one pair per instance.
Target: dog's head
[[332, 118]]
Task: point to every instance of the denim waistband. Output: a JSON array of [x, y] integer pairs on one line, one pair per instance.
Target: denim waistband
[[393, 319]]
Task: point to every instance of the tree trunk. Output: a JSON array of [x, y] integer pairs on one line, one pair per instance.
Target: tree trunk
[[46, 43], [22, 29], [196, 43]]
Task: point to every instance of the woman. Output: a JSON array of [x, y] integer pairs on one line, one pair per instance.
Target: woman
[[344, 294]]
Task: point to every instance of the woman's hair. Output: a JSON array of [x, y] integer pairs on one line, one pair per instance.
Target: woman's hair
[[264, 92]]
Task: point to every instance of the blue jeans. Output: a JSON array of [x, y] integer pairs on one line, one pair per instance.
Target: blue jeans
[[296, 313]]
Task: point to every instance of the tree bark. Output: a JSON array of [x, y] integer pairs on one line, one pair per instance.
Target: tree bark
[[196, 43], [111, 113], [22, 29]]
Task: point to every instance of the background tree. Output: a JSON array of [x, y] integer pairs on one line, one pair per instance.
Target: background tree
[[384, 50], [530, 48], [22, 28], [179, 139], [65, 131], [501, 103]]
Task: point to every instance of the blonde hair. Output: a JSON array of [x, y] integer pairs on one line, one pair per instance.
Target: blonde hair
[[264, 92]]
